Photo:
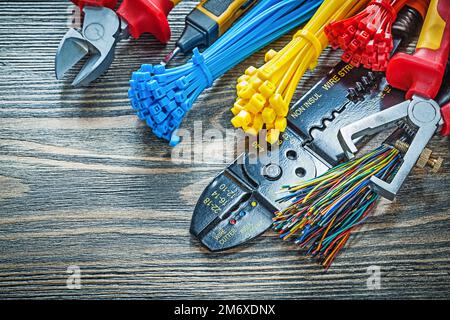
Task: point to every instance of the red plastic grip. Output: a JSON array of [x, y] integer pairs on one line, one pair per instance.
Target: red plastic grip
[[147, 16], [422, 73], [96, 3], [445, 113]]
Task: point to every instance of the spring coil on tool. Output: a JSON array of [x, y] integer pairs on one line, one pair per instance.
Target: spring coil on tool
[[408, 22]]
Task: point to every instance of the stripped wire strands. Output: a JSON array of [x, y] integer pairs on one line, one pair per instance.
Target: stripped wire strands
[[323, 212], [162, 97], [264, 94], [367, 38]]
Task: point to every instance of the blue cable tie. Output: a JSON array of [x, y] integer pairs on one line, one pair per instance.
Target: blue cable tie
[[199, 60]]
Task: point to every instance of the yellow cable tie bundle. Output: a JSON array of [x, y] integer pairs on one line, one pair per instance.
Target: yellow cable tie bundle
[[265, 93]]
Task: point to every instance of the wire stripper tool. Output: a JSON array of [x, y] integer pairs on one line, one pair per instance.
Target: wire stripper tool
[[420, 75], [238, 205], [103, 29], [207, 22]]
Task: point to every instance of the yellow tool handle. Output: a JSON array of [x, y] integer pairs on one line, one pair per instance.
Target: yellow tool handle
[[224, 12], [434, 25]]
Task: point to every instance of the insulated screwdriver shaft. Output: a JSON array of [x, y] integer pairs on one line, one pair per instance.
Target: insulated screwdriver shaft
[[206, 23]]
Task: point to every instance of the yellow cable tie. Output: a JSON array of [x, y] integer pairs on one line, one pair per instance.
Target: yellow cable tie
[[315, 43]]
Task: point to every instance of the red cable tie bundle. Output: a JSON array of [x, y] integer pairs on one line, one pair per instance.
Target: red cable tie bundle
[[366, 38]]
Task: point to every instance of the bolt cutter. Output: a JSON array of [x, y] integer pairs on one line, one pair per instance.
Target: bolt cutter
[[103, 28]]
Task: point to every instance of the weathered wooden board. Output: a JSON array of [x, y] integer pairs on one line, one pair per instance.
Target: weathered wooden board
[[82, 182]]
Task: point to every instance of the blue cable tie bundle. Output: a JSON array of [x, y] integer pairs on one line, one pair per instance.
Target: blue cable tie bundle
[[163, 97]]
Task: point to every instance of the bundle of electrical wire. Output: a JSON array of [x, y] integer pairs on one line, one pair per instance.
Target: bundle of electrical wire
[[367, 38], [264, 94], [323, 212], [163, 97]]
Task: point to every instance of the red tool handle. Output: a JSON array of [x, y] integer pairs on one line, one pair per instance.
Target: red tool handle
[[147, 16], [445, 112], [96, 3], [421, 74]]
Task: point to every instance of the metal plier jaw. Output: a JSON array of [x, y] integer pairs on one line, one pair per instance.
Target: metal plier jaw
[[102, 30], [422, 114]]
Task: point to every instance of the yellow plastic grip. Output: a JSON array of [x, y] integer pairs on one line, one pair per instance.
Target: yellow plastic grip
[[175, 2], [433, 28]]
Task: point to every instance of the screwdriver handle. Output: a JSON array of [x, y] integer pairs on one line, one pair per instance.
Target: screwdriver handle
[[96, 3], [148, 16], [224, 13], [421, 73], [207, 22]]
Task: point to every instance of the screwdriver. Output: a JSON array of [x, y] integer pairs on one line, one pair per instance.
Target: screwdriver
[[207, 22]]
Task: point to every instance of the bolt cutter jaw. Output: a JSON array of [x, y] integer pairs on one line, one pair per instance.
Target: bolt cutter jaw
[[72, 48], [102, 30]]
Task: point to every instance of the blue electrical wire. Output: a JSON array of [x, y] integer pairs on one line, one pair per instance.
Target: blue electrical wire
[[163, 97]]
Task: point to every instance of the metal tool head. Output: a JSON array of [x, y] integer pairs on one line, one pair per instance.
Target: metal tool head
[[421, 114], [97, 40], [239, 203]]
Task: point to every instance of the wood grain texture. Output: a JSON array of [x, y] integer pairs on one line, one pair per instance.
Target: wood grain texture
[[82, 182]]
